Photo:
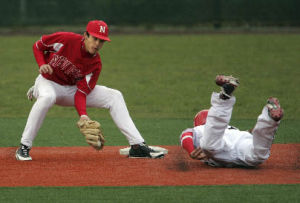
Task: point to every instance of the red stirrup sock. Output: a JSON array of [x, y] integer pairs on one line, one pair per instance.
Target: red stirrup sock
[[186, 140]]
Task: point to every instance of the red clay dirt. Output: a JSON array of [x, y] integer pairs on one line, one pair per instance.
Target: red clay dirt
[[83, 166]]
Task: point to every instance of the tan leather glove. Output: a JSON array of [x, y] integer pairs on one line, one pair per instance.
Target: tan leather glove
[[92, 132]]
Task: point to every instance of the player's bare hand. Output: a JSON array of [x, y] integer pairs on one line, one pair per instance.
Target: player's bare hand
[[46, 68], [198, 154]]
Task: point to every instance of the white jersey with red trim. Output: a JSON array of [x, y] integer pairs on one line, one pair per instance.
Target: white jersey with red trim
[[229, 153], [227, 146]]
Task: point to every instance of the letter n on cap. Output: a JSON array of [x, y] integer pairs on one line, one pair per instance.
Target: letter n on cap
[[102, 29]]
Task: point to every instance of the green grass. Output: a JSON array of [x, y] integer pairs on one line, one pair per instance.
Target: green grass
[[235, 193], [63, 131], [169, 76], [165, 80]]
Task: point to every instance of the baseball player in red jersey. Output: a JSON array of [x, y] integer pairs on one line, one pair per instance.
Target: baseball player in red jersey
[[69, 66], [215, 142]]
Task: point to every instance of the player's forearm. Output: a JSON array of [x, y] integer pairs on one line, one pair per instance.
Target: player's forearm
[[80, 103]]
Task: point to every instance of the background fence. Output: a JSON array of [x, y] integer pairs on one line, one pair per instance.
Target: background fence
[[152, 12]]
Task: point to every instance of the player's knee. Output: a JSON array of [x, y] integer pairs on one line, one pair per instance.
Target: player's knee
[[116, 99], [116, 95], [260, 157], [47, 100], [254, 161]]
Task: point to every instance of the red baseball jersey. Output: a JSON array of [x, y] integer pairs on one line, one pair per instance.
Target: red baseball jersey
[[65, 53]]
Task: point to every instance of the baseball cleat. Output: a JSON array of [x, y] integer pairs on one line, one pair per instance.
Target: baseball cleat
[[144, 151], [22, 153], [274, 109], [125, 151], [228, 85], [223, 79]]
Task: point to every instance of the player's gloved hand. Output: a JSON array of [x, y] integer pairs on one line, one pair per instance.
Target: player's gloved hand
[[92, 132], [30, 93], [198, 154], [46, 68]]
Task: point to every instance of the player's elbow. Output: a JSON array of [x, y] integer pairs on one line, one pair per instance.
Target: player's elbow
[[35, 47]]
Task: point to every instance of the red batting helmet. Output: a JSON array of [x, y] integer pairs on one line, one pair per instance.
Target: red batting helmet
[[200, 118], [98, 28]]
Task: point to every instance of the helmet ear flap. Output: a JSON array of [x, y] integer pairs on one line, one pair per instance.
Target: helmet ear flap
[[200, 118]]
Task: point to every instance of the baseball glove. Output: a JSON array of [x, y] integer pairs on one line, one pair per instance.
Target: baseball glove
[[92, 132]]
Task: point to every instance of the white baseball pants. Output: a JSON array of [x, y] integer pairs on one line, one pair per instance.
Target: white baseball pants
[[232, 146], [49, 93]]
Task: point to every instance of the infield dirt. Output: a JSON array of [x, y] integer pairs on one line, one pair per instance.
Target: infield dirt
[[83, 166]]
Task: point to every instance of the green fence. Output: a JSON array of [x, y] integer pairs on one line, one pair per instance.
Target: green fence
[[151, 12]]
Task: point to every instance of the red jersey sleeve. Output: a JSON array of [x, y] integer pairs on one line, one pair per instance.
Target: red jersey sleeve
[[80, 103], [47, 43], [84, 87], [87, 84], [94, 78]]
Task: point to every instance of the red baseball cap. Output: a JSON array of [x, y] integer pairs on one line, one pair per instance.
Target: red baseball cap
[[99, 29]]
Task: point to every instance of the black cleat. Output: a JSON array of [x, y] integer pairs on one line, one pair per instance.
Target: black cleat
[[228, 85], [144, 151], [22, 153]]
